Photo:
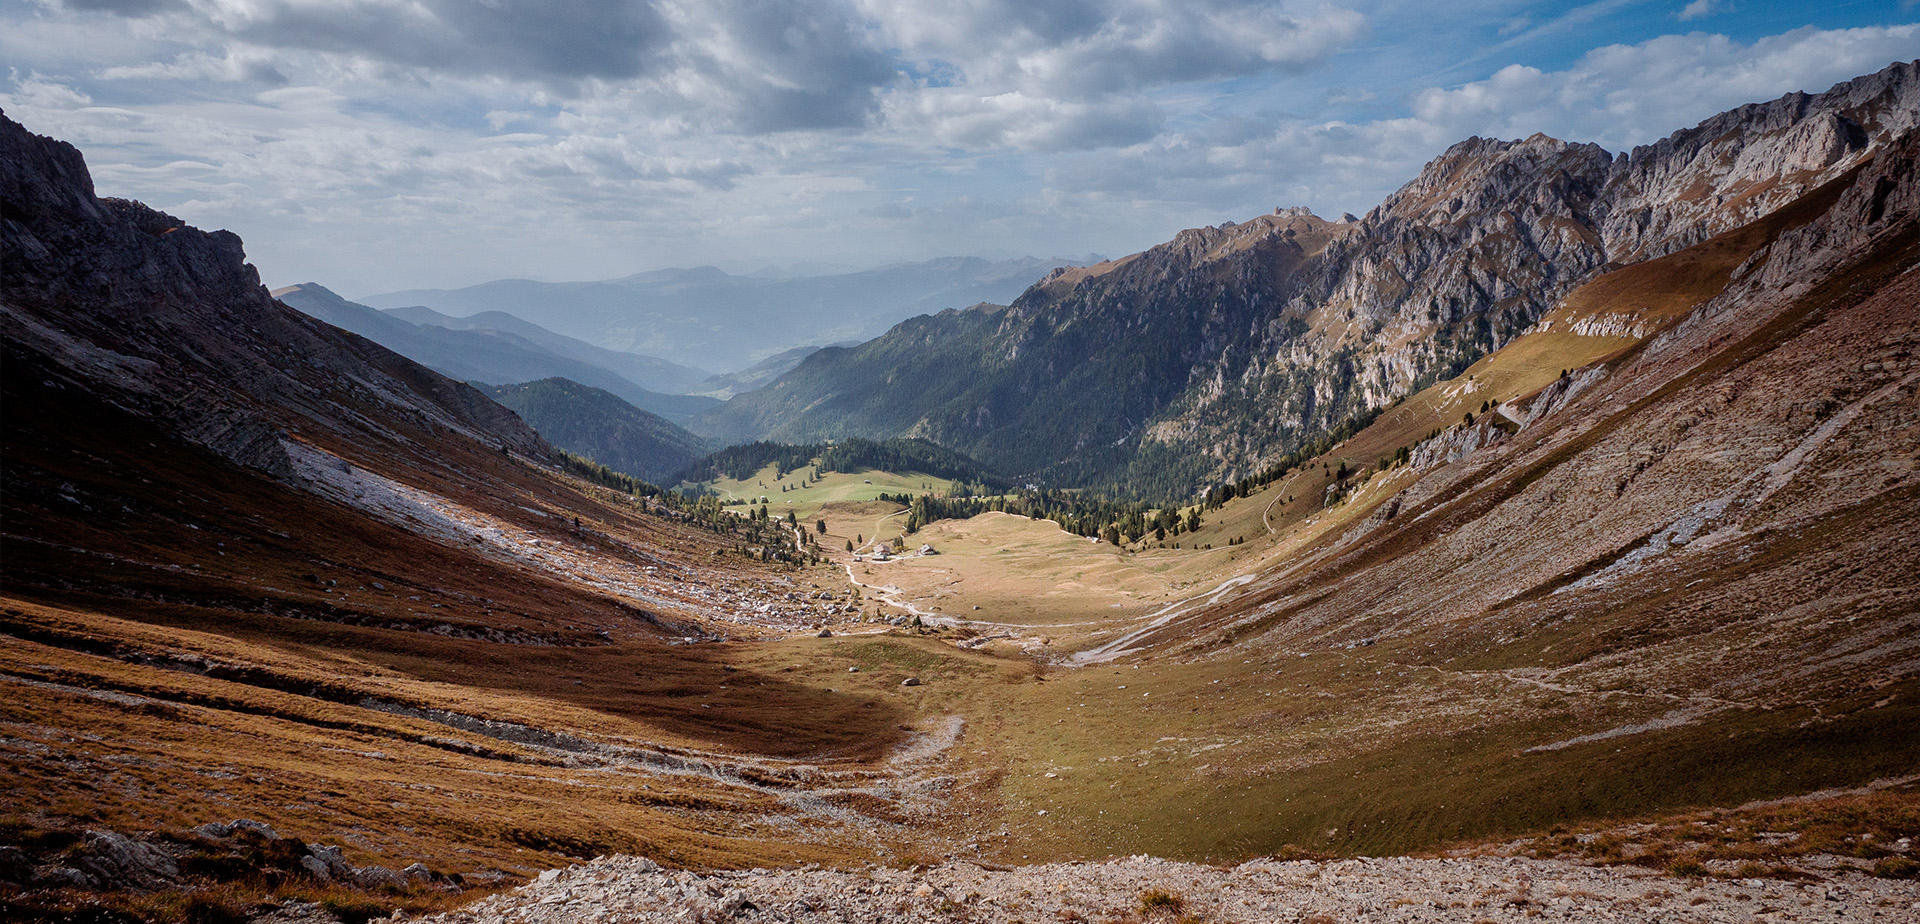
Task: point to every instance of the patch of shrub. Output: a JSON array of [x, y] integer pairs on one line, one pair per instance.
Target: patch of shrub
[[1686, 867], [1897, 868], [353, 911], [1157, 902]]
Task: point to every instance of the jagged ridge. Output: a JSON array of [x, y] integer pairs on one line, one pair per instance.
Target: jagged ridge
[[1206, 357]]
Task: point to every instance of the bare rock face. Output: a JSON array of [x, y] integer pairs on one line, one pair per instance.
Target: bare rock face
[[111, 296], [113, 860], [1746, 162], [1492, 234], [1448, 268], [1210, 356]]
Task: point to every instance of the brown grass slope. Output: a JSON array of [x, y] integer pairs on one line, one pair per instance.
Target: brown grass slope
[[201, 622], [1683, 578]]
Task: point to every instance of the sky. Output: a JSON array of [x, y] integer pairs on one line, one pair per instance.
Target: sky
[[375, 145]]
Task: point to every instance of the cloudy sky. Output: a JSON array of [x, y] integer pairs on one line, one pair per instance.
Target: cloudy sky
[[373, 145]]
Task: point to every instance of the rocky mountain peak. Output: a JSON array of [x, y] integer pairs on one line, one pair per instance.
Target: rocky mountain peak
[[1277, 330], [127, 301], [1484, 174], [43, 180]]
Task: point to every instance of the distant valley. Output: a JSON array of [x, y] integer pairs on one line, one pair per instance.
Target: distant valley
[[711, 319]]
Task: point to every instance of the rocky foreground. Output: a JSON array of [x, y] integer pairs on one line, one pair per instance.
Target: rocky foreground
[[630, 889]]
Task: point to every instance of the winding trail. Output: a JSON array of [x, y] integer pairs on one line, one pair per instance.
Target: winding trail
[[1266, 516], [1156, 620]]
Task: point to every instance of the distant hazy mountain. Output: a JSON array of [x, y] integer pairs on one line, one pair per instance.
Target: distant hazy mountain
[[709, 318], [726, 385], [649, 372], [490, 355], [599, 425]]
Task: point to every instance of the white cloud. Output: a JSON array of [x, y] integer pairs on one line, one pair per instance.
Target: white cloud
[[236, 66], [1083, 50], [855, 131], [1619, 96], [1624, 95], [1699, 9]]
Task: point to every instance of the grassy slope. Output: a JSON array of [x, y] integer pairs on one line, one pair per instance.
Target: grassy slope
[[1422, 739], [128, 554], [848, 501]]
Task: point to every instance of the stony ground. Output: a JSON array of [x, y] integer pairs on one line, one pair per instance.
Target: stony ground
[[1143, 889]]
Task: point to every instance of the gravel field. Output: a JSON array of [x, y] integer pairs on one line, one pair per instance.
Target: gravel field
[[633, 889]]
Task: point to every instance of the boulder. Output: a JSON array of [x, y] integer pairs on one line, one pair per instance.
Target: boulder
[[329, 858], [62, 877], [258, 827], [375, 877], [116, 861], [316, 868]]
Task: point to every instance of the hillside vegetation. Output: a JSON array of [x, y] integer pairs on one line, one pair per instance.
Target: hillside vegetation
[[1209, 358], [601, 426]]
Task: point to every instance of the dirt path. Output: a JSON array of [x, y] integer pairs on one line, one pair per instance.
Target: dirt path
[[890, 595], [1156, 620], [1266, 516]]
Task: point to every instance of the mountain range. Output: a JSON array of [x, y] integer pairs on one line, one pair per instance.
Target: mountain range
[[500, 349], [1205, 359], [1557, 523], [715, 320]]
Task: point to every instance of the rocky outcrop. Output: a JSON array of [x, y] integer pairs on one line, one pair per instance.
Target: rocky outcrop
[[114, 860], [1449, 268], [215, 851], [1492, 234], [170, 321], [1746, 162]]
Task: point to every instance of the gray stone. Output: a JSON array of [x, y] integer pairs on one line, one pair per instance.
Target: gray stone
[[315, 867], [62, 877], [258, 827], [329, 856], [376, 877], [116, 861]]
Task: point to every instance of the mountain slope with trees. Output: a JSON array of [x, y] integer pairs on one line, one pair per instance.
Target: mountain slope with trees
[[598, 424], [1205, 359]]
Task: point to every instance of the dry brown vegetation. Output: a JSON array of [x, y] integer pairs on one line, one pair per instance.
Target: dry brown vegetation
[[1794, 838]]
